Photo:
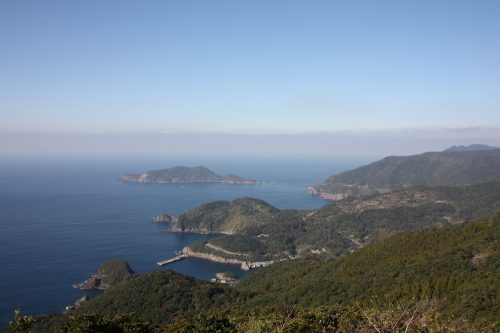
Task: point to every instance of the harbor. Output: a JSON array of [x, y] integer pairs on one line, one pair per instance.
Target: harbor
[[171, 260]]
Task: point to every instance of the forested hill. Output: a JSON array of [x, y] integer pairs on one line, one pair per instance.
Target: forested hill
[[457, 266], [256, 231], [448, 168], [182, 174], [225, 216], [455, 270]]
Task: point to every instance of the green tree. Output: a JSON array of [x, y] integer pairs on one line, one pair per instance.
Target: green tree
[[21, 323]]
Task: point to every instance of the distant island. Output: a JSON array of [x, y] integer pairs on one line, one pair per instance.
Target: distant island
[[183, 174], [456, 166]]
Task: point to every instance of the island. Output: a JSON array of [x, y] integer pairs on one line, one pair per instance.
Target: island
[[110, 273], [183, 174]]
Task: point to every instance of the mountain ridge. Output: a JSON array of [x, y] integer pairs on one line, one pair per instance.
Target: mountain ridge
[[472, 147], [448, 168]]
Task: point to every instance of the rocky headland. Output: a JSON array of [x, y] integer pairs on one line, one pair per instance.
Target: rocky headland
[[109, 274], [456, 166]]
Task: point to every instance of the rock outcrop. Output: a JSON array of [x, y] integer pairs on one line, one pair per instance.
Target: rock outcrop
[[163, 218], [110, 273]]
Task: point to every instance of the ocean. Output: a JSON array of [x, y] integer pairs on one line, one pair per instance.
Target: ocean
[[60, 218]]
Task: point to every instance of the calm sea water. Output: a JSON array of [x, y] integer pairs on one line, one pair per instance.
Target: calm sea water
[[61, 218]]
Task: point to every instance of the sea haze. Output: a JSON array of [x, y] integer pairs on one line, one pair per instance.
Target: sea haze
[[61, 218]]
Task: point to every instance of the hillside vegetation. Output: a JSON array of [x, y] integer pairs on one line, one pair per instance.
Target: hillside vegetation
[[457, 266], [159, 295], [226, 217], [257, 231], [110, 272], [446, 279], [448, 168]]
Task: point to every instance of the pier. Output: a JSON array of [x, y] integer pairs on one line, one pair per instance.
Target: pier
[[168, 261]]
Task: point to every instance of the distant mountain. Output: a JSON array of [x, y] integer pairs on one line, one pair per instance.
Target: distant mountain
[[448, 168], [475, 147], [182, 174]]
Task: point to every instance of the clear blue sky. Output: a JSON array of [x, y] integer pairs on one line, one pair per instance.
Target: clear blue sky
[[248, 66]]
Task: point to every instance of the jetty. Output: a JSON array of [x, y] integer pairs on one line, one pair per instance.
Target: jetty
[[171, 260]]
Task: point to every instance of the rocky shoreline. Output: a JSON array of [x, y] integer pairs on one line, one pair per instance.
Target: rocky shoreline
[[109, 273], [244, 264], [94, 282], [188, 252], [145, 180], [327, 196], [175, 228], [166, 218]]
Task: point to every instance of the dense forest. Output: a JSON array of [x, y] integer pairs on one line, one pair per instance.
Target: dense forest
[[448, 278], [448, 168], [406, 261], [260, 232]]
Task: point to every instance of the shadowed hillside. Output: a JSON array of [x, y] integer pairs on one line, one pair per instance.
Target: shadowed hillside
[[449, 168]]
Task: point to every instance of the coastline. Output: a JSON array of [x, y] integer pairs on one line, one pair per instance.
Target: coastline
[[194, 182], [188, 252], [176, 229], [244, 264], [314, 191]]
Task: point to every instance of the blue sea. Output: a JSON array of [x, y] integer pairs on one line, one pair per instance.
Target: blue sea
[[60, 218]]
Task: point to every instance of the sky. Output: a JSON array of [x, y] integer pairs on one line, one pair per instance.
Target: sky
[[268, 77]]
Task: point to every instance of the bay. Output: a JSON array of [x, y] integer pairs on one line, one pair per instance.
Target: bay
[[60, 218]]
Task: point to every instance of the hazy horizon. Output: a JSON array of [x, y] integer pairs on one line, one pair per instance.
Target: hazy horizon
[[269, 79], [280, 145]]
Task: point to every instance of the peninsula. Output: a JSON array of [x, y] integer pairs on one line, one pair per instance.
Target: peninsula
[[456, 166], [110, 273], [183, 174], [252, 233]]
